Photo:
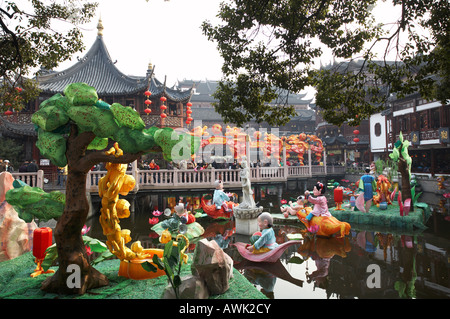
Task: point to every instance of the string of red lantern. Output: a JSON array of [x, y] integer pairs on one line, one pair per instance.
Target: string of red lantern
[[356, 138], [147, 102], [163, 107], [188, 112]]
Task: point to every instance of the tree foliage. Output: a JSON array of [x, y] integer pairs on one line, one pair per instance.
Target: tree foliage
[[12, 151], [79, 111], [29, 40], [269, 48]]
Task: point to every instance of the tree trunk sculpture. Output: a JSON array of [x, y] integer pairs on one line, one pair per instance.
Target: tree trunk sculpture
[[69, 243]]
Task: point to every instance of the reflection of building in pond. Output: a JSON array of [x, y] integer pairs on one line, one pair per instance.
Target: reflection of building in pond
[[409, 266]]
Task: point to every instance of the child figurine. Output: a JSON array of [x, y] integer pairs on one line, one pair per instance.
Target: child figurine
[[265, 240], [293, 208], [320, 202], [183, 214], [220, 199]]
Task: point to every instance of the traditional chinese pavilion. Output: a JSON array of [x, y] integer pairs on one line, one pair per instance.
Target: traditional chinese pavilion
[[98, 70]]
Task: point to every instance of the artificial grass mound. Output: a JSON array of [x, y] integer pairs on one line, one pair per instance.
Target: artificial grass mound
[[389, 218], [16, 283]]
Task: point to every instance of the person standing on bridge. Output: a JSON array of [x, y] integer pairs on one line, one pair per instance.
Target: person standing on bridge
[[32, 166]]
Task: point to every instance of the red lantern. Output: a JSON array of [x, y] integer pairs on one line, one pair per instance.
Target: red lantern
[[163, 107], [42, 239], [148, 111], [188, 111], [8, 113], [148, 102], [163, 115], [338, 195], [356, 132], [189, 104], [18, 89], [163, 98], [190, 119], [356, 140], [188, 122], [147, 93]]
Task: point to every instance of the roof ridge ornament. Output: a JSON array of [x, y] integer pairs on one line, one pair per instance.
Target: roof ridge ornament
[[100, 27]]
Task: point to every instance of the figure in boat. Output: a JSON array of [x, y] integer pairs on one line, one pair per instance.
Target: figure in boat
[[221, 205], [220, 199], [264, 240], [263, 247]]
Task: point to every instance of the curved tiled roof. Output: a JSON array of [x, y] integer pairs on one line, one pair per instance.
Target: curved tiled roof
[[16, 129], [97, 69]]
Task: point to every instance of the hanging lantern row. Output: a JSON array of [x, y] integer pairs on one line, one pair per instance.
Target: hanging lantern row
[[147, 102], [163, 107], [188, 112], [356, 138]]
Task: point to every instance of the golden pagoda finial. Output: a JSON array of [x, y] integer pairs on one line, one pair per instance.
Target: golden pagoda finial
[[150, 66], [100, 27]]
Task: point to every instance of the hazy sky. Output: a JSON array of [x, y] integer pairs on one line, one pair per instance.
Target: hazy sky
[[167, 34]]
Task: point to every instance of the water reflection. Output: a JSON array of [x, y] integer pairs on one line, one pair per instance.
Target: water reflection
[[411, 265]]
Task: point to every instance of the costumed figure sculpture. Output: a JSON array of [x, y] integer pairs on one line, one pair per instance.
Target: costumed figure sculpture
[[265, 240], [320, 221], [263, 247], [294, 207], [220, 199], [182, 222], [383, 192], [320, 202], [367, 184]]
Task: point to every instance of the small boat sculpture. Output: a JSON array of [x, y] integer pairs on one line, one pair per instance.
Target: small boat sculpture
[[269, 257], [210, 209]]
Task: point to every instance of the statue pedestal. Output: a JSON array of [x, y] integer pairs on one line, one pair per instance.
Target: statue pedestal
[[247, 219]]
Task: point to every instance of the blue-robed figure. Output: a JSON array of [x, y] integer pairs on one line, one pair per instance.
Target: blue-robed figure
[[220, 199], [367, 184]]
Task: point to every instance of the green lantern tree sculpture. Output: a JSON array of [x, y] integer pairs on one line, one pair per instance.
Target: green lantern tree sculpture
[[74, 129], [401, 156]]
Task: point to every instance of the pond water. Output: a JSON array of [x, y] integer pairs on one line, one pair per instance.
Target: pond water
[[366, 264]]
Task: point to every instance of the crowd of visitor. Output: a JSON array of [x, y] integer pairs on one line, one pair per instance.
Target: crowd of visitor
[[26, 167]]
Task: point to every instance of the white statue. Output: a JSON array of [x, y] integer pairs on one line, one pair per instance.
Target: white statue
[[247, 200]]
